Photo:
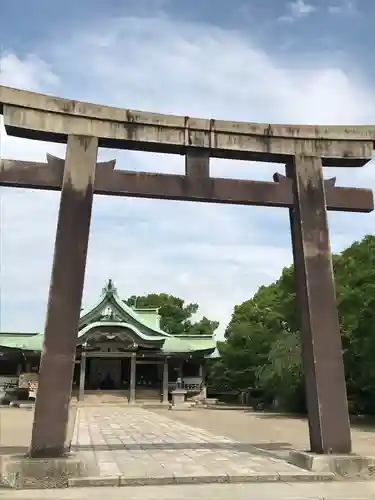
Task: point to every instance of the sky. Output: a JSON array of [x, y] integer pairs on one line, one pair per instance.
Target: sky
[[302, 61]]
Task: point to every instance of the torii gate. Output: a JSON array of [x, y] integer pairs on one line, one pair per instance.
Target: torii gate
[[303, 149]]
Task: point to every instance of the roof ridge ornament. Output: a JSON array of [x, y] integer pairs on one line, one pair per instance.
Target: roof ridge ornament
[[109, 289]]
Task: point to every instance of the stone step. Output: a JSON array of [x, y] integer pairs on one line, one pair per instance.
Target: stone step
[[103, 398], [146, 394], [185, 479], [99, 398]]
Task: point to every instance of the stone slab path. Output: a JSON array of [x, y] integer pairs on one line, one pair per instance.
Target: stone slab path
[[131, 446], [336, 490]]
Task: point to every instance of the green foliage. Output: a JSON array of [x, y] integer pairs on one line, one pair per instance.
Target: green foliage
[[262, 348], [254, 326], [202, 327], [175, 314], [355, 282]]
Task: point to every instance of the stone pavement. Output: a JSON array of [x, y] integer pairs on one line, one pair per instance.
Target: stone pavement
[[132, 446], [336, 490], [276, 433]]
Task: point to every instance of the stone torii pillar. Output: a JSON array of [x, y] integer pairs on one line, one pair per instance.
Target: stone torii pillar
[[64, 302], [320, 329]]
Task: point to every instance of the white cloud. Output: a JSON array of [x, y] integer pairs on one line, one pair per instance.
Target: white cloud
[[214, 254], [297, 10], [346, 7], [32, 72]]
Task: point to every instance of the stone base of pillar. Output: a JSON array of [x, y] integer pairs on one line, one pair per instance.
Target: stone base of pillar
[[349, 466], [179, 400], [20, 472]]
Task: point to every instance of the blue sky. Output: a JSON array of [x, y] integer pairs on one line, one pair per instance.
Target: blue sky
[[261, 60]]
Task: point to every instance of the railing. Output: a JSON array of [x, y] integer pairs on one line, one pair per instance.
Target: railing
[[188, 387], [4, 386]]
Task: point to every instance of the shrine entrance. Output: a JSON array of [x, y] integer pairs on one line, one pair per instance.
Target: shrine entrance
[[149, 375], [106, 374], [304, 150]]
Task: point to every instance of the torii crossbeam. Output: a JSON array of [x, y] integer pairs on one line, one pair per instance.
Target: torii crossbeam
[[49, 176], [303, 149]]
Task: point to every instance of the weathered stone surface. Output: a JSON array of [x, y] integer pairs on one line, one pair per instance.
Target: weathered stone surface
[[323, 364], [350, 465], [38, 116], [148, 448], [89, 482], [49, 434], [18, 471], [179, 402], [274, 490], [25, 174]]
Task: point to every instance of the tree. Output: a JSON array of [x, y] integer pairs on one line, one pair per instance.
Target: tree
[[253, 328], [282, 376], [263, 347], [355, 283], [175, 315], [204, 326]]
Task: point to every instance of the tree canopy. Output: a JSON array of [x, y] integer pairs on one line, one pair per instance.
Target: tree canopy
[[262, 348], [176, 315]]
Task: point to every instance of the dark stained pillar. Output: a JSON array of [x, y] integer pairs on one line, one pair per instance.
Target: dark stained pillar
[[165, 380], [197, 163], [320, 329], [65, 296], [133, 369], [82, 377]]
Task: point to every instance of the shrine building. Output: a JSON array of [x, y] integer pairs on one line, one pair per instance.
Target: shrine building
[[120, 349]]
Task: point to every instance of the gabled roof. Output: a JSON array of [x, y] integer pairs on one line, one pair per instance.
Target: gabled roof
[[122, 317], [110, 299], [113, 325]]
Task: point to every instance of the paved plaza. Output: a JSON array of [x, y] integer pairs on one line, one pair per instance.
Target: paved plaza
[[143, 446], [276, 433], [335, 490], [125, 445]]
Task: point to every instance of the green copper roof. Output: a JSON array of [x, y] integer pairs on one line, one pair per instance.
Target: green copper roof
[[30, 343], [143, 323], [17, 335], [110, 299], [113, 325], [170, 344], [184, 345]]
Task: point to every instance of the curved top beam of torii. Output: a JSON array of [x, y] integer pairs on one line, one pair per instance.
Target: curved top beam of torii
[[37, 116]]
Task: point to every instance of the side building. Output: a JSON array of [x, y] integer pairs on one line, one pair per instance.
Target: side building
[[120, 350]]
